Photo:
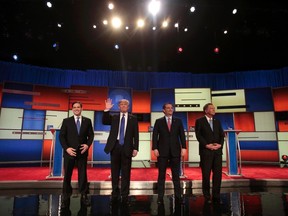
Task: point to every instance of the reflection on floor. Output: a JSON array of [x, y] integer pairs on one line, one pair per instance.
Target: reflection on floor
[[236, 201]]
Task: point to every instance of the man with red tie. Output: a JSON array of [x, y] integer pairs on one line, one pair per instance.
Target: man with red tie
[[168, 144]]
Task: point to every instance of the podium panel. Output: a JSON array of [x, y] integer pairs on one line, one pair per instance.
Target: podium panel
[[56, 158], [233, 159]]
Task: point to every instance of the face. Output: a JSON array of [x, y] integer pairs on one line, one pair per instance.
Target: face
[[77, 109], [210, 111], [123, 106], [168, 110]]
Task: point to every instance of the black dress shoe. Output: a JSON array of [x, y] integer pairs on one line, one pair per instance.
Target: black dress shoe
[[85, 200], [208, 200], [160, 201]]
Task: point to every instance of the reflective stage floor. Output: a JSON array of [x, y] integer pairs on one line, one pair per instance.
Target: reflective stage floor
[[242, 201]]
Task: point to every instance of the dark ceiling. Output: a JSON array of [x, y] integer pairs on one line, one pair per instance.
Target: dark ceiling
[[257, 35]]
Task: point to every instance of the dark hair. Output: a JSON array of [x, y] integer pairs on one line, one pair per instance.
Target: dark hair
[[206, 106], [164, 105], [77, 102]]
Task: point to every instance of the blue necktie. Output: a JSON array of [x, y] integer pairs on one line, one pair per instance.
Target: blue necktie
[[122, 126], [78, 124], [211, 123]]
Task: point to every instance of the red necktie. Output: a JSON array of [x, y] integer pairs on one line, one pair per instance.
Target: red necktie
[[169, 124]]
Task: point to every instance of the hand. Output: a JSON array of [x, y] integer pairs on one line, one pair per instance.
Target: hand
[[183, 152], [71, 151], [108, 104], [156, 152], [84, 148], [134, 153]]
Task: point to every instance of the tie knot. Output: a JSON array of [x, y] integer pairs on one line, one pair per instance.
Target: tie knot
[[78, 117], [123, 115]]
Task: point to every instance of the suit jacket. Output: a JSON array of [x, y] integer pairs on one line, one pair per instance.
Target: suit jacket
[[131, 139], [205, 135], [168, 142], [69, 136]]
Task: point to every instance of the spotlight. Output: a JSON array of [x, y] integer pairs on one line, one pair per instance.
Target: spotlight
[[116, 22], [216, 50], [15, 57], [154, 7], [140, 23], [180, 49]]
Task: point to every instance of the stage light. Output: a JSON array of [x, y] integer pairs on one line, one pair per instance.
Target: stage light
[[59, 25], [165, 24], [140, 23], [186, 29], [15, 57], [180, 49], [154, 28], [284, 158], [216, 50], [105, 22], [176, 25], [225, 31], [116, 22], [116, 46], [234, 11], [94, 26], [49, 4], [111, 6], [192, 9], [127, 27], [154, 7]]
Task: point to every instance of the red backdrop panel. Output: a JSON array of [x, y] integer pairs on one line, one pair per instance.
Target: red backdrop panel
[[141, 102], [46, 149], [265, 155], [244, 121], [92, 98], [50, 98], [283, 126], [280, 97], [192, 116], [143, 126]]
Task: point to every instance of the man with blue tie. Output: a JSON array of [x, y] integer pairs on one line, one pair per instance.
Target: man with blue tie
[[76, 136], [122, 144], [168, 144], [210, 136]]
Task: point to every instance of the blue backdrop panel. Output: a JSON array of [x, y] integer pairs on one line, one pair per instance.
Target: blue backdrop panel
[[16, 101], [160, 97], [183, 117], [20, 150], [34, 120], [26, 205], [98, 152], [258, 145], [259, 99], [226, 120], [117, 94], [98, 126]]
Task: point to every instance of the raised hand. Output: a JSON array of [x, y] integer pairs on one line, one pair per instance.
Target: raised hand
[[108, 104]]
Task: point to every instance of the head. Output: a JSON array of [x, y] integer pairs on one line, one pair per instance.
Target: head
[[123, 105], [168, 109], [77, 108], [209, 109]]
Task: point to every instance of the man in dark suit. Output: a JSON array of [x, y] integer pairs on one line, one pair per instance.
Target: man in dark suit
[[169, 144], [122, 144], [210, 136], [76, 136]]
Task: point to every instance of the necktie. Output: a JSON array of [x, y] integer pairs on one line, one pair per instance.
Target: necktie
[[169, 124], [122, 126], [78, 124], [211, 123]]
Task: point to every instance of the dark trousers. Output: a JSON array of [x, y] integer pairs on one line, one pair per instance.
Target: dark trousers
[[175, 168], [211, 162], [120, 165], [69, 163]]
